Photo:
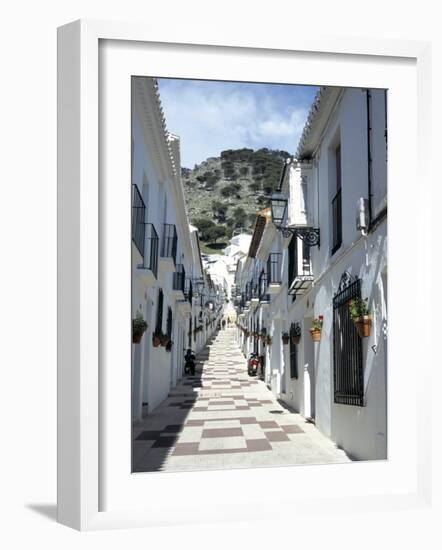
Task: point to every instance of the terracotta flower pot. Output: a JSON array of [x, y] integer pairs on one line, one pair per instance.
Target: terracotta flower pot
[[296, 338], [285, 340], [363, 325], [155, 341], [136, 337], [316, 334]]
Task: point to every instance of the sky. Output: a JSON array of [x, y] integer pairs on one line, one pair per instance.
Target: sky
[[210, 116]]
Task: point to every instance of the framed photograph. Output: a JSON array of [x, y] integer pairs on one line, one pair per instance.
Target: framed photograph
[[231, 293]]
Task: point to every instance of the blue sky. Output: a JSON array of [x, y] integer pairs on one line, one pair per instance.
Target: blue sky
[[210, 116]]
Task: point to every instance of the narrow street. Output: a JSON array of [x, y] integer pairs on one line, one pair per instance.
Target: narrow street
[[223, 418]]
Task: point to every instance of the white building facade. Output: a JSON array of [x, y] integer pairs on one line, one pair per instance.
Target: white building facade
[[337, 184], [168, 283]]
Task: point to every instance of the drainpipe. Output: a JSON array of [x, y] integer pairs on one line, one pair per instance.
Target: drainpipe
[[369, 159]]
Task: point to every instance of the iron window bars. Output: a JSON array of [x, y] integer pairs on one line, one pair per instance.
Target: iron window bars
[[159, 320], [348, 372], [293, 353], [336, 221]]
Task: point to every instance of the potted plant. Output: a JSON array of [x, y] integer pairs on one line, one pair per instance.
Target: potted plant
[[269, 340], [360, 315], [156, 338], [139, 327], [316, 329], [295, 333], [285, 338]]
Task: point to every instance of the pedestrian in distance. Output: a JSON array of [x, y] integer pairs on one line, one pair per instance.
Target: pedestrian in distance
[[224, 324]]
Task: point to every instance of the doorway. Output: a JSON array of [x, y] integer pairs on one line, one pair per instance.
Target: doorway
[[309, 371]]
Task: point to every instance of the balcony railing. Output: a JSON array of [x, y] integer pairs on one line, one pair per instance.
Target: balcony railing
[[151, 245], [188, 290], [138, 215], [169, 243], [255, 289], [337, 221], [179, 278], [263, 295], [274, 263]]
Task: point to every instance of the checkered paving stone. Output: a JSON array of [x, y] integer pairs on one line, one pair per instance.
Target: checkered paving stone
[[222, 418]]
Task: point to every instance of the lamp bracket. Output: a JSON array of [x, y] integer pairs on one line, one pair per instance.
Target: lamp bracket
[[310, 235]]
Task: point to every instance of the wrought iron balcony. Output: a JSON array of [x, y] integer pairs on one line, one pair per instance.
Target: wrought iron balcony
[[138, 216], [169, 242], [150, 250], [264, 296], [179, 279], [188, 290], [274, 276]]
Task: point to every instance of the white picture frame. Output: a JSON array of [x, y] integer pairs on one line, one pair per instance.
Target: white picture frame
[[81, 473]]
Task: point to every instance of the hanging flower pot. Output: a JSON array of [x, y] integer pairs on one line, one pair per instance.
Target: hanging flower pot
[[139, 327], [156, 340], [316, 329], [360, 314], [285, 338], [269, 340], [363, 325], [316, 335]]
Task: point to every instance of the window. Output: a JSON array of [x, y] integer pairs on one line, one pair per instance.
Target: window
[[347, 348], [159, 322], [336, 204], [293, 259], [169, 322], [293, 356]]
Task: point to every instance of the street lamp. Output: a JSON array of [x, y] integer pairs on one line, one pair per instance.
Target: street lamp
[[278, 205], [278, 208]]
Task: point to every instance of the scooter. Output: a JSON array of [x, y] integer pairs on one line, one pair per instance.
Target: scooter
[[189, 365], [252, 364]]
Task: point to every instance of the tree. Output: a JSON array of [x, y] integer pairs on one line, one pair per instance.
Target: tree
[[216, 232], [203, 225], [219, 209]]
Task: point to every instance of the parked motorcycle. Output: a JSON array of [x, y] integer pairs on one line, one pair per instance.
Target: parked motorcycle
[[189, 362], [252, 364]]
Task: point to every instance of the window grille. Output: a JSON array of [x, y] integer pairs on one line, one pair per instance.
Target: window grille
[[169, 322], [293, 355], [159, 323], [347, 346], [337, 205]]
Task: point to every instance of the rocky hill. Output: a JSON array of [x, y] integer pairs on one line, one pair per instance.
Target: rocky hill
[[224, 193]]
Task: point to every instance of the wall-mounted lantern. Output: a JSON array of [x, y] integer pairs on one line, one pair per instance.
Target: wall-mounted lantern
[[278, 208]]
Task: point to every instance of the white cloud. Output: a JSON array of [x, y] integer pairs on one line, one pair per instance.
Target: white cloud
[[210, 117]]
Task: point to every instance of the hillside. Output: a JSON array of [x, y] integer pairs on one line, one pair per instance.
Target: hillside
[[223, 193]]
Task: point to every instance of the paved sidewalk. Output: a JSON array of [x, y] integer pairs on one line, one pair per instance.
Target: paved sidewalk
[[222, 418]]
